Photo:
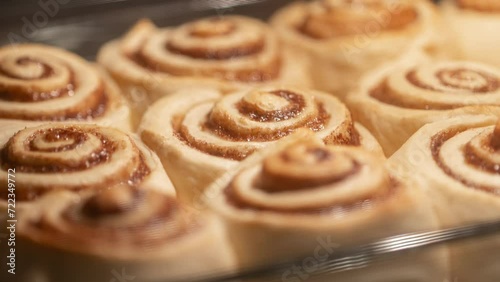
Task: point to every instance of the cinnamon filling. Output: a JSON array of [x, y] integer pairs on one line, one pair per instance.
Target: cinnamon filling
[[303, 168], [30, 95], [270, 72], [47, 71], [215, 43], [341, 178], [464, 79], [263, 107], [114, 201], [205, 53], [460, 81], [495, 138], [232, 134], [240, 203], [471, 157], [296, 105], [95, 107], [70, 138], [104, 218], [105, 151]]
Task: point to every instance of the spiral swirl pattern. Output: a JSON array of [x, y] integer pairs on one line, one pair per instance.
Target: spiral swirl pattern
[[230, 48], [479, 5], [440, 86], [333, 18], [471, 156], [71, 157], [121, 218], [310, 178], [41, 83], [235, 125]]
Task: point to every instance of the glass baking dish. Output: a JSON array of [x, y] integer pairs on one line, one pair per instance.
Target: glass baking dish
[[82, 26]]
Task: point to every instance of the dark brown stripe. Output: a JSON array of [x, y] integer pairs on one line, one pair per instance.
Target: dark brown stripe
[[296, 101], [206, 53], [233, 199], [437, 142], [96, 108]]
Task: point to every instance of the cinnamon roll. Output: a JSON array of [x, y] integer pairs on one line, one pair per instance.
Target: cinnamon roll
[[395, 102], [224, 53], [458, 163], [475, 25], [345, 38], [200, 134], [73, 157], [280, 206], [124, 230], [40, 84]]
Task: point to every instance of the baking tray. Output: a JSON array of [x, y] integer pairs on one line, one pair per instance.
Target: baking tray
[[83, 26]]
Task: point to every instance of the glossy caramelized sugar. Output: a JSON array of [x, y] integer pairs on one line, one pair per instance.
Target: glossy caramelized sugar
[[88, 156], [262, 115]]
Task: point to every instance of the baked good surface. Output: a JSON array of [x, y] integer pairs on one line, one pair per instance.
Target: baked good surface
[[222, 52], [201, 133], [73, 157], [40, 84], [474, 26], [280, 203], [346, 39], [457, 163], [144, 231], [394, 102]]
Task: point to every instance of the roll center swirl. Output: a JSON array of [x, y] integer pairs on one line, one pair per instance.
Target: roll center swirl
[[272, 106], [113, 201], [27, 68], [468, 79], [440, 86], [215, 39], [308, 177], [212, 27], [72, 157], [42, 83], [305, 166]]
